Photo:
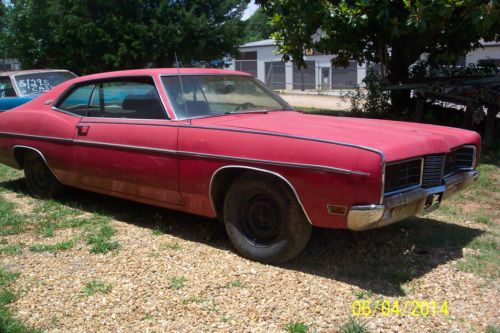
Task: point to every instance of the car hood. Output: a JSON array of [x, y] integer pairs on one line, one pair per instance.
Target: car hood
[[397, 140]]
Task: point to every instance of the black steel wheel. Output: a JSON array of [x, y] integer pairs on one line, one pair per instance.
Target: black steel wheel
[[264, 220], [39, 179]]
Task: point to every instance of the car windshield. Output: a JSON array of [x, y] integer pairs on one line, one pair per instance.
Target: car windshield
[[211, 95], [38, 83]]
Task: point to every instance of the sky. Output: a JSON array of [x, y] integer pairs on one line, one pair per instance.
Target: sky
[[251, 8]]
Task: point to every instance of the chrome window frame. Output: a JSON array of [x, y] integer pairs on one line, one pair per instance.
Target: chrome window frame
[[258, 82], [66, 92]]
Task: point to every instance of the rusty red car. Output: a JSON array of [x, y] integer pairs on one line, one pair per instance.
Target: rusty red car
[[218, 143]]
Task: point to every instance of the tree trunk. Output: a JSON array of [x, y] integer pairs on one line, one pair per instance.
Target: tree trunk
[[489, 131], [398, 67]]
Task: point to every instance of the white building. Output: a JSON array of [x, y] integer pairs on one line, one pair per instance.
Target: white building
[[262, 60], [9, 64]]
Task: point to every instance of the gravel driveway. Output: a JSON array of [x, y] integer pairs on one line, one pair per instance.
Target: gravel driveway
[[175, 272]]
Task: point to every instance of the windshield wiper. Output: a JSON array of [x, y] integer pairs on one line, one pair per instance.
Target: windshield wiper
[[244, 112]]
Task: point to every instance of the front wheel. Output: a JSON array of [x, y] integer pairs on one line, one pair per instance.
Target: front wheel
[[264, 220], [40, 181]]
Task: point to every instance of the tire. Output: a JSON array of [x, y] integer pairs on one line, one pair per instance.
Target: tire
[[41, 182], [264, 220]]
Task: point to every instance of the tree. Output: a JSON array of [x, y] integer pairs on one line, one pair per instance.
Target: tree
[[393, 33], [258, 26], [92, 36]]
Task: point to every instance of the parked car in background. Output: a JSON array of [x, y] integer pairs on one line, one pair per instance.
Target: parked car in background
[[19, 87], [220, 144]]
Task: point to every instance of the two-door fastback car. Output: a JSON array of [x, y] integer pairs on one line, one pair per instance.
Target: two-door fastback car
[[19, 87], [220, 144]]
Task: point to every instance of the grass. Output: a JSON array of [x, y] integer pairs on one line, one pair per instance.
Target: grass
[[12, 249], [11, 222], [61, 246], [8, 323], [353, 326], [99, 237], [171, 246], [363, 294], [177, 282], [492, 329], [297, 327], [93, 287], [235, 284]]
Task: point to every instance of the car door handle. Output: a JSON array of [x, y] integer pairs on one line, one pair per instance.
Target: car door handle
[[82, 129]]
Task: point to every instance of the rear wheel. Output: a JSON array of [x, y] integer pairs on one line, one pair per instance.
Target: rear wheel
[[40, 181], [263, 219]]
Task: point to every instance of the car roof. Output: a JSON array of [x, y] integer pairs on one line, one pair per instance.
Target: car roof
[[31, 71], [161, 71]]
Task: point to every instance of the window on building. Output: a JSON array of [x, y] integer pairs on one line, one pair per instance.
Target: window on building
[[247, 62], [305, 78], [345, 77], [275, 74]]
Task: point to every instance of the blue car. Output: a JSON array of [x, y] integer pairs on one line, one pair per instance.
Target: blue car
[[19, 87]]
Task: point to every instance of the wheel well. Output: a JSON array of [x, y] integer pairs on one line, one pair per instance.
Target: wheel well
[[225, 176], [20, 152]]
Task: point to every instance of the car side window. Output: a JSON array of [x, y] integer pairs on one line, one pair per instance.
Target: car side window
[[135, 99], [6, 87], [78, 100]]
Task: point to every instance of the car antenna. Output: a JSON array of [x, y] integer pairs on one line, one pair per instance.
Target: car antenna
[[182, 87]]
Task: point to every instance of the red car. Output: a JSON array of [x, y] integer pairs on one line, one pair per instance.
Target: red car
[[220, 144]]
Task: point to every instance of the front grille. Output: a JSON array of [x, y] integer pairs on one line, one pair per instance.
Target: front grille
[[433, 170], [402, 175], [461, 158]]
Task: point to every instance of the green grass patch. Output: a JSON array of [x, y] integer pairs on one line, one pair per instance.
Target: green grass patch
[[12, 249], [11, 223], [297, 327], [171, 246], [177, 282], [235, 284], [96, 286], [61, 246], [9, 324], [363, 294], [492, 329], [99, 236], [353, 326], [485, 260]]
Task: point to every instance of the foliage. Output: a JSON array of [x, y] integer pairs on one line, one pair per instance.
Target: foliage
[[96, 286], [258, 26], [89, 36], [297, 328], [427, 70], [372, 100], [353, 326], [8, 323], [393, 33]]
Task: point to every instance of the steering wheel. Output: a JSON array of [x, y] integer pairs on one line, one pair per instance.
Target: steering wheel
[[244, 106]]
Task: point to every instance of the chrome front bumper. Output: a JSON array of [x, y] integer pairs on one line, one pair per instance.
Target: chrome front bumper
[[417, 202]]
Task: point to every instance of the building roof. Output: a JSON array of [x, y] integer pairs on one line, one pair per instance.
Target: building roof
[[264, 42]]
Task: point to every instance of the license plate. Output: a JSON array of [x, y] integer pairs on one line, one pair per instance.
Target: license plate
[[432, 202]]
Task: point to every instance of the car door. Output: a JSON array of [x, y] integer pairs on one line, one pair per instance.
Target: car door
[[125, 145]]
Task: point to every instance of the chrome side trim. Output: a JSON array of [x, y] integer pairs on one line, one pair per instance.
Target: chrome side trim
[[259, 170], [35, 137], [223, 157], [36, 151], [190, 153], [239, 130]]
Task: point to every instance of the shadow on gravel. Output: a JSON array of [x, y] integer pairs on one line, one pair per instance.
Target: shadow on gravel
[[380, 260]]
